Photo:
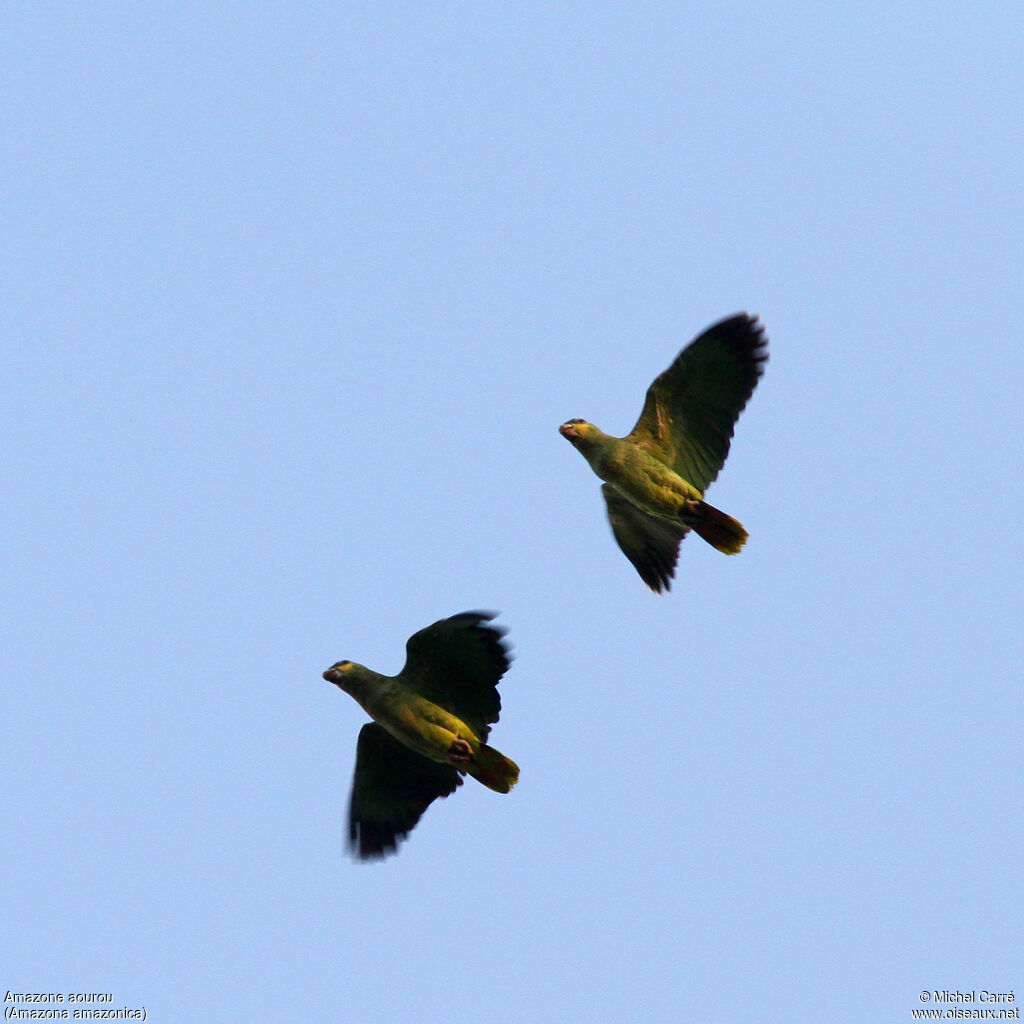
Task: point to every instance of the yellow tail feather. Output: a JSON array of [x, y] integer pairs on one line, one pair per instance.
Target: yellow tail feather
[[722, 532], [493, 769]]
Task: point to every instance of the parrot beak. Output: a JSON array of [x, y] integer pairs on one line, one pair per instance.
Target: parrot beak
[[568, 431], [332, 675]]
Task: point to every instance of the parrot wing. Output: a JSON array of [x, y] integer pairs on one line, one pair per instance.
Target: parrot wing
[[457, 663], [392, 787], [650, 543], [691, 409]]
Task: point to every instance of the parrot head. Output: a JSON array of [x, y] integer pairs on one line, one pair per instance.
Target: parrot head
[[344, 674], [574, 430]]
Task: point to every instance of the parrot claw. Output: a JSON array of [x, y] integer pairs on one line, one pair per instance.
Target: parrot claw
[[459, 752]]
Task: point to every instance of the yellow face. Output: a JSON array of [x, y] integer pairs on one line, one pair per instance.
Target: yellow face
[[337, 672], [573, 430]]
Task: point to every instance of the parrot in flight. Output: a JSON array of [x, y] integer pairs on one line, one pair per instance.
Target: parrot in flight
[[430, 724], [656, 476]]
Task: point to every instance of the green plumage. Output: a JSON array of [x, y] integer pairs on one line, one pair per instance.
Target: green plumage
[[655, 478], [430, 725]]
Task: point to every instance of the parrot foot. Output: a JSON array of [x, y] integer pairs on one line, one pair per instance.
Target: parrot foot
[[690, 512], [459, 752]]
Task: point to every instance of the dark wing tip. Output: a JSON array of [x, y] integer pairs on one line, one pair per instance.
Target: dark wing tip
[[493, 637], [476, 619], [743, 334], [372, 842], [658, 584], [654, 572], [656, 568]]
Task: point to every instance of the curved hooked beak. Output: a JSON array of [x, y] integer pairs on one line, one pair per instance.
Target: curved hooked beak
[[569, 431]]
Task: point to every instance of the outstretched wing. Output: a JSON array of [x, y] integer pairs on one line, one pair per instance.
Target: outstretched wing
[[650, 543], [457, 663], [691, 409], [392, 787]]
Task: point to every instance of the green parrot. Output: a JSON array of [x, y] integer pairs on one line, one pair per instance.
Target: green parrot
[[655, 477], [429, 727]]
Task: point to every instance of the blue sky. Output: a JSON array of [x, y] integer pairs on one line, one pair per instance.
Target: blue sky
[[294, 300]]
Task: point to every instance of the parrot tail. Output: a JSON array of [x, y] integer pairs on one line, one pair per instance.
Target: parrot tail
[[493, 769], [722, 532]]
